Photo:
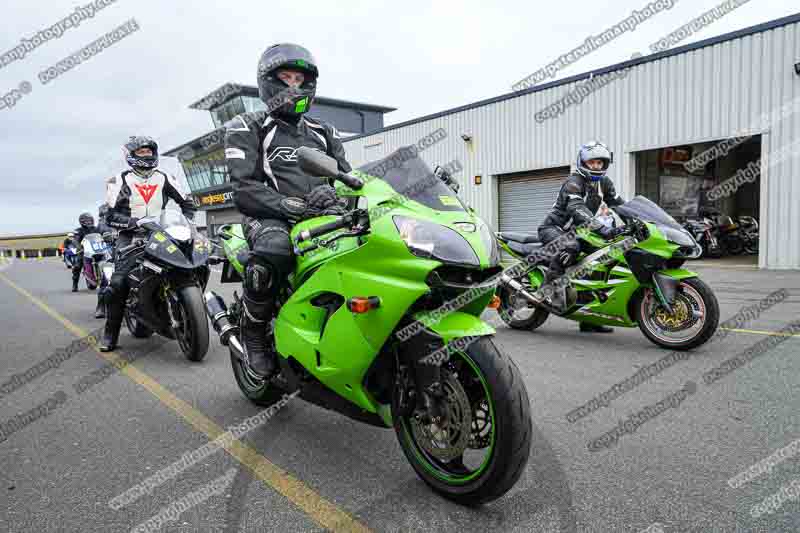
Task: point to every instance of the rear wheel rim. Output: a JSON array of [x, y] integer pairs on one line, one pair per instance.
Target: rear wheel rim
[[517, 308], [482, 429]]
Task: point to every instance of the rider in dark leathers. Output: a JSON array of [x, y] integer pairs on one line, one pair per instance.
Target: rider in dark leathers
[[271, 190], [577, 204], [107, 232], [86, 227], [142, 192]]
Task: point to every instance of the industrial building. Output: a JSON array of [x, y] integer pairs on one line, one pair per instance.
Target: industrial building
[[656, 113], [730, 102]]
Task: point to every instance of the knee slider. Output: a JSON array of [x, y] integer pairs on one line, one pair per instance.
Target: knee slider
[[258, 277]]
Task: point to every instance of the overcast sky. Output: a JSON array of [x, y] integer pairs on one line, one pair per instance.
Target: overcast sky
[[61, 139]]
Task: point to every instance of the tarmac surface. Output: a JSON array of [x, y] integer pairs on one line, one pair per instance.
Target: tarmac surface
[[79, 432]]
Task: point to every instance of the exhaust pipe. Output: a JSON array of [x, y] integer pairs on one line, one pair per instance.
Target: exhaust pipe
[[218, 313], [518, 289]]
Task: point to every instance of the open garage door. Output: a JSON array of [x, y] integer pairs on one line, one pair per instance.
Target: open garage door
[[526, 198]]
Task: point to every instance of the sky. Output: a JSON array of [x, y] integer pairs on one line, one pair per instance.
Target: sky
[[61, 139]]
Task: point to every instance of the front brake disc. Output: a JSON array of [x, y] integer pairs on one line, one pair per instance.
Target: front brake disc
[[448, 439]]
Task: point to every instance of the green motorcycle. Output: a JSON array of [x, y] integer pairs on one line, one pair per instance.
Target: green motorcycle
[[372, 327], [636, 279]]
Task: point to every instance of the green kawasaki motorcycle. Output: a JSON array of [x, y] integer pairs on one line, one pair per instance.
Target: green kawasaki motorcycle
[[635, 280], [381, 323]]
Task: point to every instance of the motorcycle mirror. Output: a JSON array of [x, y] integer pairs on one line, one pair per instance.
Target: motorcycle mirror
[[316, 163]]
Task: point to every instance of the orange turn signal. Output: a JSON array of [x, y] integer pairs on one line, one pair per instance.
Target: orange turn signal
[[363, 304], [495, 303]]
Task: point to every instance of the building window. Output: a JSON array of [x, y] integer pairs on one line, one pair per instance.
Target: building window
[[207, 170], [223, 113], [252, 104]]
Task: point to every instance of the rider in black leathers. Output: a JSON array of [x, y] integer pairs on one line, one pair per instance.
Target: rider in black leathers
[[107, 232], [86, 227], [143, 192], [271, 190], [577, 204]]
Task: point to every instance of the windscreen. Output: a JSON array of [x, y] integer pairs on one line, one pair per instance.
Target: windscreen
[[643, 209], [172, 218], [414, 180]]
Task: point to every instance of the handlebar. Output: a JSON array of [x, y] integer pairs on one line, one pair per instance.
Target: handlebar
[[351, 181], [340, 222]]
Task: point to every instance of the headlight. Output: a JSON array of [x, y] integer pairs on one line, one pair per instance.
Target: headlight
[[680, 237], [433, 241], [179, 233]]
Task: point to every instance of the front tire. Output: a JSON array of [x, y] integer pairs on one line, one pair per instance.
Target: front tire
[[499, 422], [192, 335], [734, 246], [679, 331]]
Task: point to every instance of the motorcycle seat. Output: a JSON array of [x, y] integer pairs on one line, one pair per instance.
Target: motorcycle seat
[[513, 236], [524, 249]]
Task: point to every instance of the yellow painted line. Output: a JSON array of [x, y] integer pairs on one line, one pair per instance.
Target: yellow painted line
[[323, 512], [759, 332]]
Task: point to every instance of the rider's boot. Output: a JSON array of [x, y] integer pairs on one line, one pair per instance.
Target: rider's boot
[[256, 316], [116, 311], [74, 284], [100, 311], [553, 289]]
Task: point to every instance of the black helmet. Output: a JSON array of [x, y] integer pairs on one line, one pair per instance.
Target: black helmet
[[86, 220], [143, 166], [299, 99]]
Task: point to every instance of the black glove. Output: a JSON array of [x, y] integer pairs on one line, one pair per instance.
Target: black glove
[[322, 200], [294, 208]]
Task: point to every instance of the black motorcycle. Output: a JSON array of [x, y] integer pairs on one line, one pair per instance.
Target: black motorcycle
[[729, 235], [704, 232], [748, 229], [167, 283]]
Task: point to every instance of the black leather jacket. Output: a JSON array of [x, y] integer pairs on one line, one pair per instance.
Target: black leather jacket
[[578, 201], [81, 232], [260, 154]]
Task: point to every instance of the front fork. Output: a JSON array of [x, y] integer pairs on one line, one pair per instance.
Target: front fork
[[418, 383]]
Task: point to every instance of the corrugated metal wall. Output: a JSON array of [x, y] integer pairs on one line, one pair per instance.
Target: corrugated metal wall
[[701, 95]]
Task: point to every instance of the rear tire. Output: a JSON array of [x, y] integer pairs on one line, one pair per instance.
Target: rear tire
[[511, 432], [506, 312], [261, 392]]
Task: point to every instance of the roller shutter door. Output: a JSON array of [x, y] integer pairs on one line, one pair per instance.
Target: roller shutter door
[[525, 199]]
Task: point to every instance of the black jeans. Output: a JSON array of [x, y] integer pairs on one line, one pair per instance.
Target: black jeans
[[124, 262]]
